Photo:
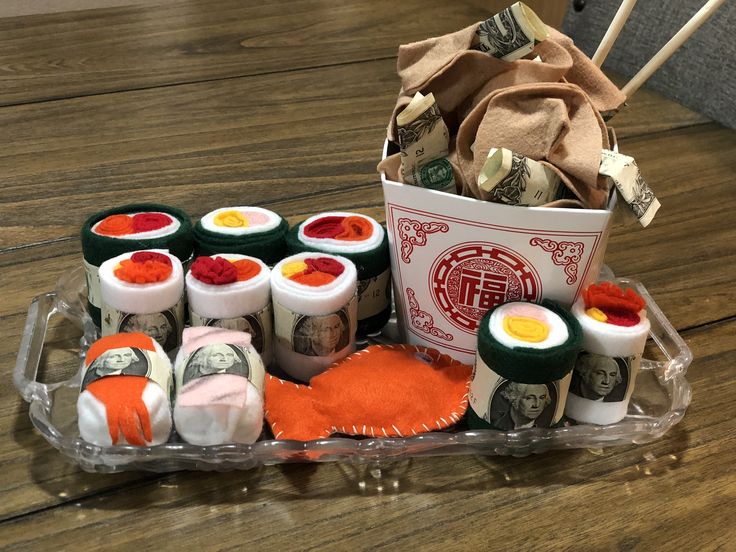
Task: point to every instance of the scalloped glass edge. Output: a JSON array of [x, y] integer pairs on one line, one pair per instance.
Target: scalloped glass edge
[[68, 300]]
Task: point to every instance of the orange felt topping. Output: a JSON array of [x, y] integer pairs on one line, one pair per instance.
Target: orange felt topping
[[314, 279], [606, 296], [115, 225], [118, 341], [381, 391], [147, 272], [124, 407], [355, 229], [247, 269]]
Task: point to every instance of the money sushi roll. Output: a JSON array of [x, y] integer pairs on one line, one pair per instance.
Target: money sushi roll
[[143, 291], [526, 352], [133, 227], [248, 231], [615, 330], [233, 292], [362, 240], [124, 397], [219, 388], [315, 311]]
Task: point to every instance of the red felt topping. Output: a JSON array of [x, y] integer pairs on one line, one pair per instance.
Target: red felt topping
[[143, 256], [214, 271], [619, 317], [324, 264], [607, 296], [145, 222], [124, 407], [325, 227]]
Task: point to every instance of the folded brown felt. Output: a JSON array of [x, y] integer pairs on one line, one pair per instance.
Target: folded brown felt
[[460, 78], [552, 122]]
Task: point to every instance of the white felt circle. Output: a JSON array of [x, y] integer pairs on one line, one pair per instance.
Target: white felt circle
[[342, 246], [608, 339], [141, 298], [172, 227], [208, 222], [558, 333], [311, 300], [230, 300]]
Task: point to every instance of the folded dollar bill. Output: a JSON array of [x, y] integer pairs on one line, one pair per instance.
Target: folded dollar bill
[[424, 142], [513, 179], [625, 174], [512, 33]]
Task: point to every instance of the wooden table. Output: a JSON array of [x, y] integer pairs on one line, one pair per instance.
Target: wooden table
[[284, 105]]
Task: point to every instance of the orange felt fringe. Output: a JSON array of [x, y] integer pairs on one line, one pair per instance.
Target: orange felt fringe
[[115, 225], [355, 229], [147, 272], [118, 341], [609, 296], [124, 407]]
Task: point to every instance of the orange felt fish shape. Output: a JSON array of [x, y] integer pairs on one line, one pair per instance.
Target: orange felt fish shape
[[381, 391]]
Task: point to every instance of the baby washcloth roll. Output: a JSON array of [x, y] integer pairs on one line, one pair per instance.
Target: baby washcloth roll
[[219, 388], [144, 291], [362, 240], [249, 231], [113, 232], [526, 352], [233, 292], [315, 312], [615, 330], [124, 398]]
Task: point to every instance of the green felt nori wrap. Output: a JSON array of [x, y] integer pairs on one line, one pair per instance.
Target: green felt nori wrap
[[270, 246], [527, 365], [370, 264], [97, 249]]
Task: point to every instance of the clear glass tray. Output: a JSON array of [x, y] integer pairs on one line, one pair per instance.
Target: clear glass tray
[[659, 402]]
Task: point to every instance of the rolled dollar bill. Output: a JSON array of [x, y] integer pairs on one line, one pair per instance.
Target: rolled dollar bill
[[512, 33], [635, 191], [424, 142], [513, 179]]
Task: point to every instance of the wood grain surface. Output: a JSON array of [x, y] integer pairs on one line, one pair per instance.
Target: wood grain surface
[[284, 105]]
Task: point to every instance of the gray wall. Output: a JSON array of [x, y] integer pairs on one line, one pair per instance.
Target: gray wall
[[701, 75]]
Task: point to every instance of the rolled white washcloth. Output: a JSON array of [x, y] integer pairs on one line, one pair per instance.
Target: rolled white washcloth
[[154, 307], [315, 323], [219, 388], [606, 368], [243, 304], [126, 385]]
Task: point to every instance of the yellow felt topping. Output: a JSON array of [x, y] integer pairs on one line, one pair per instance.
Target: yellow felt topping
[[597, 314], [231, 219], [526, 329], [293, 268]]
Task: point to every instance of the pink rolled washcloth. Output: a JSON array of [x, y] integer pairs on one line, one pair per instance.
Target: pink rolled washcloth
[[219, 387]]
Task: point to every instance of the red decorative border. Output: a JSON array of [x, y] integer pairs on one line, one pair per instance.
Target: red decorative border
[[564, 253], [414, 234], [422, 320]]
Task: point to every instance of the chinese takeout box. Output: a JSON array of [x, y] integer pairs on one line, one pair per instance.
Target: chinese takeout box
[[455, 257]]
